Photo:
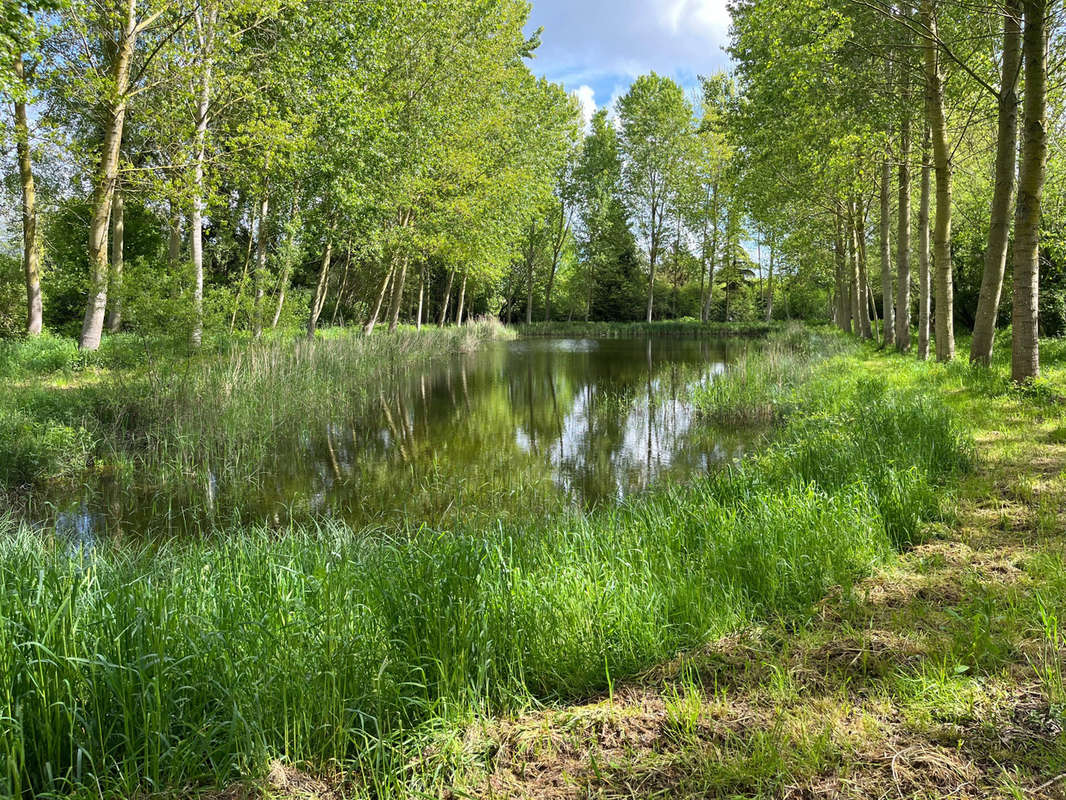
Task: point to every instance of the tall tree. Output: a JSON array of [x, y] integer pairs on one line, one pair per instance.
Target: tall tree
[[937, 115], [655, 120], [925, 288], [1025, 351], [31, 257], [984, 330], [119, 27], [903, 209]]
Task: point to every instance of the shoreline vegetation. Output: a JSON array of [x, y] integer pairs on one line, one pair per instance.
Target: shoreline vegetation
[[136, 404], [156, 668], [622, 330]]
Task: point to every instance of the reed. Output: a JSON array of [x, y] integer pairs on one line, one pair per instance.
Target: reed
[[622, 330], [221, 414]]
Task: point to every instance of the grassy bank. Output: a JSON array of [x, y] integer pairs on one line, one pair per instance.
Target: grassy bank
[[369, 653], [939, 675], [622, 330], [154, 409]]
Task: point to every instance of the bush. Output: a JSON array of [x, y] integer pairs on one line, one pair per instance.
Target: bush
[[40, 355]]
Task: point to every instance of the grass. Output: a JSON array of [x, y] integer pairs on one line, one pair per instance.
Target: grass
[[621, 330], [138, 406], [760, 384], [939, 675], [370, 656]]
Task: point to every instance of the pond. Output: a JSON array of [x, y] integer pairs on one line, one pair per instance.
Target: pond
[[514, 430]]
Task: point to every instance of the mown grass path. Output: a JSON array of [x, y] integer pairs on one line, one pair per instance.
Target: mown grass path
[[941, 676]]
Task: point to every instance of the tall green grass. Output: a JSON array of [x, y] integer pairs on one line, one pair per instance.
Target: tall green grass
[[178, 419], [127, 672], [623, 330], [759, 386]]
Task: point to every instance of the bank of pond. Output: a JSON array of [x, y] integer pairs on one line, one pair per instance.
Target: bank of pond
[[561, 514]]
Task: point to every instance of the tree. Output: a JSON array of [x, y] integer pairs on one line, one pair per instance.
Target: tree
[[31, 258], [606, 244], [937, 116], [984, 330], [21, 34], [1025, 351], [118, 27], [656, 120]]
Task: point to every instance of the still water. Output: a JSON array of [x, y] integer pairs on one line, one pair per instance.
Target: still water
[[517, 428]]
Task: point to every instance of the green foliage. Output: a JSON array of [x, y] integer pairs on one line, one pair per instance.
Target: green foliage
[[30, 448], [146, 409], [12, 297]]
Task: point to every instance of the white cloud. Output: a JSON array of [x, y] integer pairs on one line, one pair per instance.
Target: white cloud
[[600, 44], [586, 96], [710, 16]]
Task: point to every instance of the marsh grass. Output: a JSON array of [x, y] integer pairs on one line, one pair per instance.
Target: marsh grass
[[624, 330], [220, 415], [760, 385], [139, 670]]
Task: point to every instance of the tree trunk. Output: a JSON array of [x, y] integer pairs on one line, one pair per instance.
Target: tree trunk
[[924, 277], [714, 256], [373, 321], [529, 290], [260, 266], [984, 328], [942, 269], [843, 296], [397, 294], [447, 299], [323, 281], [118, 244], [860, 311], [205, 32], [888, 319], [903, 225], [653, 253], [462, 302], [31, 259], [105, 177], [677, 262], [342, 288], [871, 309], [557, 250], [1025, 350], [285, 277], [421, 297], [770, 286]]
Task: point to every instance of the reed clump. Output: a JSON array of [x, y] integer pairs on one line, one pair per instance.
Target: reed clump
[[623, 330], [219, 415], [759, 386]]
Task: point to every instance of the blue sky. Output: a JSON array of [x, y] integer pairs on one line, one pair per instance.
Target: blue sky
[[597, 47]]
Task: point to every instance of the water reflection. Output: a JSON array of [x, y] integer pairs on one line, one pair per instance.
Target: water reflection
[[516, 428]]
